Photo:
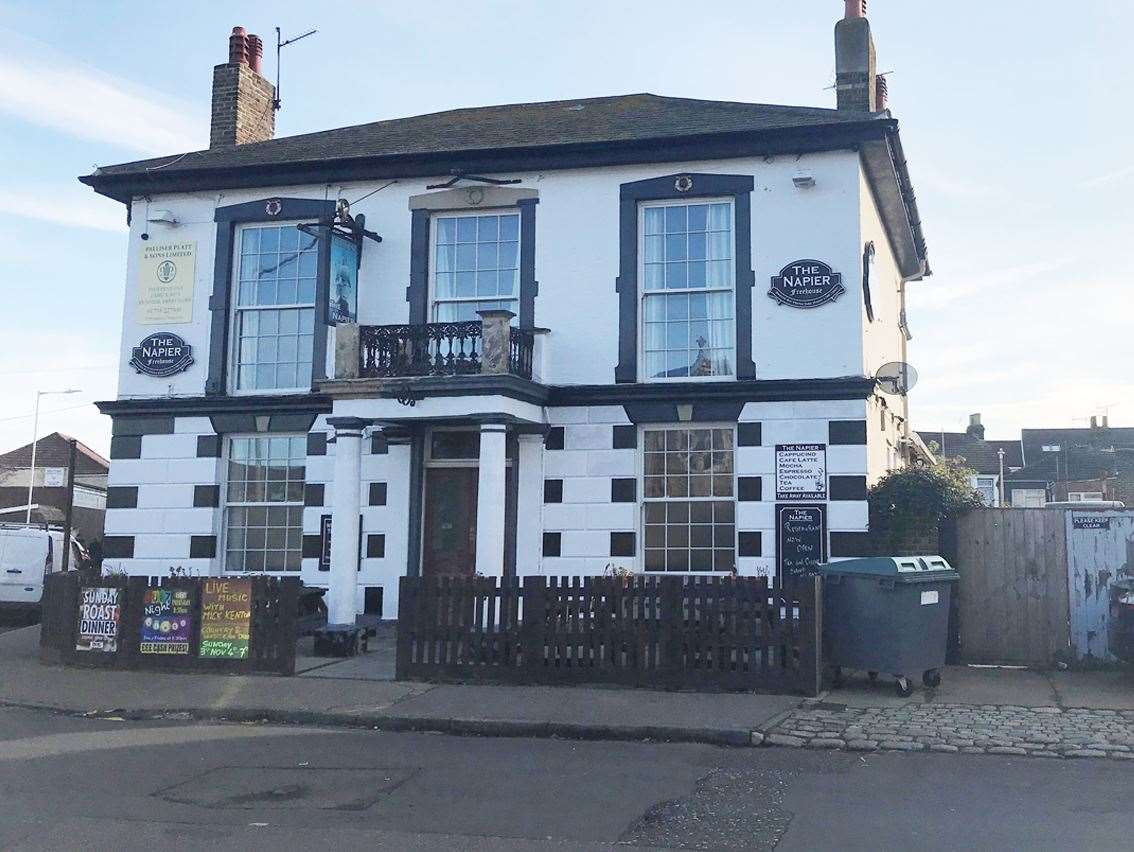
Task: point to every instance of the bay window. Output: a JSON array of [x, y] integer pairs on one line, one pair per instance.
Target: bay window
[[688, 267], [274, 313], [263, 504]]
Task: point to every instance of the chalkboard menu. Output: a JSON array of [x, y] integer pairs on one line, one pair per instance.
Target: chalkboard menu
[[801, 539], [226, 618]]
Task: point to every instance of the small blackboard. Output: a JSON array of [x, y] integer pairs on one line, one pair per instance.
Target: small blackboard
[[1090, 522], [801, 539]]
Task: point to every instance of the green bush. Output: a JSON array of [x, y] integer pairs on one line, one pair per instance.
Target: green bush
[[915, 498]]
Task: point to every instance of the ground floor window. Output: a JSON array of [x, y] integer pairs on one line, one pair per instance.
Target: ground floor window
[[264, 503], [689, 508]]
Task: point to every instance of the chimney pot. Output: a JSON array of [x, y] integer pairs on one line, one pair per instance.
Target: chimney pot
[[238, 47], [1094, 422], [881, 92], [855, 8], [255, 52]]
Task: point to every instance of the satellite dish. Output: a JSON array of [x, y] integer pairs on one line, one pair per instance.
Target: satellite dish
[[896, 378]]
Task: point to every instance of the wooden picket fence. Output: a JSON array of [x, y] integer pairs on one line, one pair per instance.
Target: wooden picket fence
[[707, 633]]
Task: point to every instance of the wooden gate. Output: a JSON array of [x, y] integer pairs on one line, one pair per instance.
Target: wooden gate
[[1100, 550], [1013, 588]]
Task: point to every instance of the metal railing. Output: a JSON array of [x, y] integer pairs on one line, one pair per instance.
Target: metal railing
[[437, 349]]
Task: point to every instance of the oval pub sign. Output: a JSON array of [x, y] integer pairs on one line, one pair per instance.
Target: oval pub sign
[[806, 284], [162, 354]]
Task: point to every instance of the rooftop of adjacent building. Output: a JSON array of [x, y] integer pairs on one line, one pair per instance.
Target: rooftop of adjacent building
[[53, 450]]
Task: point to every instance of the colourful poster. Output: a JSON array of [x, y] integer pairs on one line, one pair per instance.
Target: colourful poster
[[99, 615], [166, 622], [226, 619]]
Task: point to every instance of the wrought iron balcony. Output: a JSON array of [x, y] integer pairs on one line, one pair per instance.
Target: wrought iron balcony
[[489, 345]]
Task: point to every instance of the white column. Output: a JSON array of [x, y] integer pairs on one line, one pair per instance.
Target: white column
[[342, 605], [491, 478], [529, 497]]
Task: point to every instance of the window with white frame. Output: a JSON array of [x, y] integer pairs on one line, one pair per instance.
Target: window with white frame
[[986, 487], [264, 503], [1081, 496], [688, 506], [476, 264], [274, 321], [688, 271]]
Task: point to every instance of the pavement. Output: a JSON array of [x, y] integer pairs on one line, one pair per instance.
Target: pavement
[[73, 783], [973, 708]]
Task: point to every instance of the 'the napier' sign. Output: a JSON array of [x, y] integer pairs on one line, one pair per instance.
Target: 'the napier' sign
[[161, 355], [806, 284], [801, 471]]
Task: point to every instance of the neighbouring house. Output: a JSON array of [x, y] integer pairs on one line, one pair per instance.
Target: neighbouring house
[[49, 489], [988, 458], [632, 332]]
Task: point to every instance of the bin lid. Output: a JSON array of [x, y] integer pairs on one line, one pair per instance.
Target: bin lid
[[898, 567]]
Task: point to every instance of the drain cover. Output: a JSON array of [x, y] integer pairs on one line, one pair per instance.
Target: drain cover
[[277, 788]]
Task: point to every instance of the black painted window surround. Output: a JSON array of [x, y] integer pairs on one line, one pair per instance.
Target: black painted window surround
[[682, 186]]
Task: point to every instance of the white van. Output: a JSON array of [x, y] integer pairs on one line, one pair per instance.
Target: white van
[[26, 555]]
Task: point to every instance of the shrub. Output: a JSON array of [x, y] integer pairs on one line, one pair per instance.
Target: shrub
[[916, 499]]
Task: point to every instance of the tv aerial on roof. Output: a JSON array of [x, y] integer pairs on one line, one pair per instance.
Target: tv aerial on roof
[[280, 45], [896, 377]]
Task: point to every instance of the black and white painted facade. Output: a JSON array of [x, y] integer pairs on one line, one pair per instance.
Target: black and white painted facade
[[643, 434]]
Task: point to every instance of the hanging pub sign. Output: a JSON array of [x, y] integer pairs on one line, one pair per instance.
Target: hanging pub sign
[[165, 283], [801, 471], [226, 619], [99, 616], [801, 540], [162, 355], [343, 290], [806, 284]]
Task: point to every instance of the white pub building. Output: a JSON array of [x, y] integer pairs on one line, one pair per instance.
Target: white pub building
[[632, 332]]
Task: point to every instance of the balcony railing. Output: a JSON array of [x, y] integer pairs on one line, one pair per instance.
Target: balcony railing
[[463, 348]]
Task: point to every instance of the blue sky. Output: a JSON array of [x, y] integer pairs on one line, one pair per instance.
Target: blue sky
[[1012, 120]]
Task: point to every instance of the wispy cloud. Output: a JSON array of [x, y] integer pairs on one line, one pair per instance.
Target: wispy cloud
[[74, 208], [40, 85], [1116, 176]]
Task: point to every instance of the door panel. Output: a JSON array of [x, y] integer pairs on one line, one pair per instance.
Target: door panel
[[449, 547]]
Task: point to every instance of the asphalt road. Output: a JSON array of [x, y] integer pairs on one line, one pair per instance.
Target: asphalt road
[[70, 783]]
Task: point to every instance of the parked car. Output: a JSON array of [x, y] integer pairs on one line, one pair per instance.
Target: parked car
[[27, 554]]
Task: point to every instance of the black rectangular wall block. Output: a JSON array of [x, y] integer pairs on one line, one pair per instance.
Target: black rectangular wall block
[[372, 600], [848, 488], [553, 491], [316, 443], [750, 544], [623, 490], [126, 447], [379, 447], [312, 546], [844, 432], [624, 437], [749, 434], [149, 424], [313, 494], [554, 439], [203, 547], [375, 546], [208, 446], [118, 546], [552, 543], [377, 494], [205, 496], [622, 544], [750, 489], [850, 544], [122, 497]]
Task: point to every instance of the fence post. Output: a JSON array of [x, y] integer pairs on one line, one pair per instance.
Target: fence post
[[406, 626], [533, 615]]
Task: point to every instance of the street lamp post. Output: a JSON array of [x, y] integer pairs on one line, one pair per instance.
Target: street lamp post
[[35, 437]]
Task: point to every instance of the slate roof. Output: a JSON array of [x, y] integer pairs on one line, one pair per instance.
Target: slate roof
[[981, 455], [1034, 440], [620, 118], [52, 451]]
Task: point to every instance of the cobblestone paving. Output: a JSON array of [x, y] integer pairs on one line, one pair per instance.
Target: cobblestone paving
[[961, 728]]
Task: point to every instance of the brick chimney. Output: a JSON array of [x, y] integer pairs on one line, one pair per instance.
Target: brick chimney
[[856, 84], [242, 99], [976, 428]]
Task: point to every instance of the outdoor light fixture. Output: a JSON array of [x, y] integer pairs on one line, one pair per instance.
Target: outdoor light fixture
[[684, 412], [164, 217], [803, 181]]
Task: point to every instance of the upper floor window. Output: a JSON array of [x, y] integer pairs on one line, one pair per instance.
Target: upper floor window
[[476, 264], [688, 271], [274, 314], [986, 487]]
